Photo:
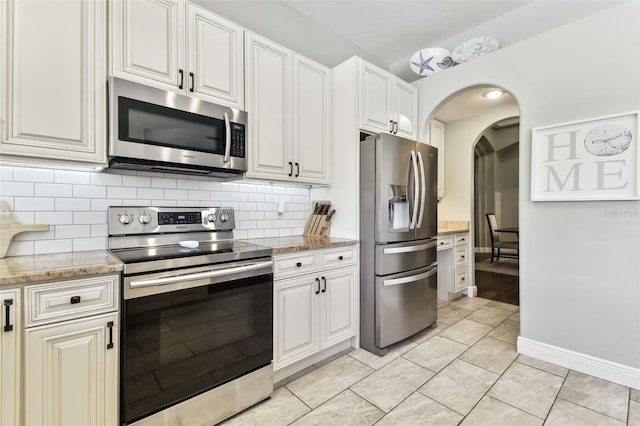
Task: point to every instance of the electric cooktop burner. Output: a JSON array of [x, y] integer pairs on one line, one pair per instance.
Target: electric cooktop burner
[[175, 251]]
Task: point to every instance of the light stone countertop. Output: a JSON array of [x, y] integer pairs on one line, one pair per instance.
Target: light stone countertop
[[293, 244], [17, 270], [452, 226]]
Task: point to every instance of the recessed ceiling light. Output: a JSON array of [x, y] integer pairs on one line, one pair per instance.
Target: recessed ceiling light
[[493, 94]]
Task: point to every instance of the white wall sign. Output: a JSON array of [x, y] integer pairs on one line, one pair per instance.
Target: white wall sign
[[592, 159]]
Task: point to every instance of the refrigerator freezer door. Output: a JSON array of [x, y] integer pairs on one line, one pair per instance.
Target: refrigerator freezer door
[[406, 303], [398, 257], [394, 177], [428, 210]]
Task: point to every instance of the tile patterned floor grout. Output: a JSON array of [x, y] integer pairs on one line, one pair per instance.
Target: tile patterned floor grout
[[466, 372]]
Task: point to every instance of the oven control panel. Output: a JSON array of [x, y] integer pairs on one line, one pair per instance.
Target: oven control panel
[[156, 220]]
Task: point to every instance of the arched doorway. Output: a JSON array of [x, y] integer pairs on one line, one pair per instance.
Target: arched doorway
[[467, 115]]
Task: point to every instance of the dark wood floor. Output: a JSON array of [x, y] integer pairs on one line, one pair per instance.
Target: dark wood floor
[[498, 287]]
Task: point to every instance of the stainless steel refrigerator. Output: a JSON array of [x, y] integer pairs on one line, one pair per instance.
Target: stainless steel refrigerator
[[398, 231]]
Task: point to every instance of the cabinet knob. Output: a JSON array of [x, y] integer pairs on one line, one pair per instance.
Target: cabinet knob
[[299, 264], [340, 257], [75, 299]]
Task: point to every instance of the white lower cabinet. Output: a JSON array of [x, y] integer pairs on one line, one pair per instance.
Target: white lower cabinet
[[71, 357], [10, 360], [453, 264], [317, 309]]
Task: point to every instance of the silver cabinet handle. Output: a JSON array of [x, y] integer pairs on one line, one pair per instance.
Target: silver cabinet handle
[[409, 249], [412, 278], [227, 143], [199, 275]]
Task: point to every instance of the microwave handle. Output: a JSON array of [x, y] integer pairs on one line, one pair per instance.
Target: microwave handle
[[227, 144]]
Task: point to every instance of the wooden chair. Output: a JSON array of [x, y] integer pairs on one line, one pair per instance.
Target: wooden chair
[[496, 244]]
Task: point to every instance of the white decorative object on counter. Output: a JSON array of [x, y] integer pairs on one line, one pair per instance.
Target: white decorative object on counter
[[430, 60], [471, 49], [9, 228]]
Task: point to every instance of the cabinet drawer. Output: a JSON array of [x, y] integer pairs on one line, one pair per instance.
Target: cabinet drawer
[[461, 280], [461, 256], [295, 264], [445, 242], [334, 258], [63, 300], [461, 239]]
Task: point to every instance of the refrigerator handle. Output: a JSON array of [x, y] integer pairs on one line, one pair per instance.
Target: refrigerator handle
[[411, 279], [415, 190], [423, 190]]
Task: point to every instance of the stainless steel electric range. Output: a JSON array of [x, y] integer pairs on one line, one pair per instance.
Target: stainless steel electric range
[[197, 316]]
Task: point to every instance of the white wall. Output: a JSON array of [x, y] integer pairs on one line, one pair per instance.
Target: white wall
[[579, 268], [75, 204]]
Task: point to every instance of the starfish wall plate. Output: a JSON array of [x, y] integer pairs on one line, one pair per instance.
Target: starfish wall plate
[[430, 60]]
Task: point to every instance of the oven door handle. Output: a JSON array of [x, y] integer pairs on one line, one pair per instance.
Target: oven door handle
[[200, 275]]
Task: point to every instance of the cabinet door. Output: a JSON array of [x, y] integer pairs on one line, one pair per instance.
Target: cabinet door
[[311, 121], [71, 374], [215, 58], [406, 109], [295, 325], [268, 68], [55, 82], [437, 140], [148, 42], [10, 365], [339, 305], [376, 101]]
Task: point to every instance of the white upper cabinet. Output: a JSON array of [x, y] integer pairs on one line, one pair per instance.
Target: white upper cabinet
[[436, 130], [53, 76], [387, 104], [178, 46], [288, 103]]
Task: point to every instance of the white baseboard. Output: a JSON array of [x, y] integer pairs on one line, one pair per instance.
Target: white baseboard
[[471, 291], [607, 370]]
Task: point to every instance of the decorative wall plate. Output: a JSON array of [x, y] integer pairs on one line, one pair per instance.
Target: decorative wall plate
[[474, 48], [430, 60]]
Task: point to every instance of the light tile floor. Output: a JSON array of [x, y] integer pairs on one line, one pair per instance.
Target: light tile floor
[[465, 372]]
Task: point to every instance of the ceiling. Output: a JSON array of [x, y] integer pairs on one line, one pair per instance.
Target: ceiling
[[388, 32]]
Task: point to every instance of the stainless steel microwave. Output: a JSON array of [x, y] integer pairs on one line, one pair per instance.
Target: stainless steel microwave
[[154, 130]]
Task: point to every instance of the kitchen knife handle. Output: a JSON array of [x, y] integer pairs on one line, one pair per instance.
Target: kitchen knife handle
[[7, 314], [318, 282], [181, 72], [290, 169]]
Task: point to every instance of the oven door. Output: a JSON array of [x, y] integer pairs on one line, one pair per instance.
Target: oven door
[[186, 332]]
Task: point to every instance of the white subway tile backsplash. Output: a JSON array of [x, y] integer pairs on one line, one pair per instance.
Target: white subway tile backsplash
[[90, 218], [85, 244], [73, 204], [137, 181], [81, 200], [53, 190], [19, 189], [32, 175], [72, 231], [161, 182], [31, 204], [6, 173], [106, 179], [124, 192], [55, 218], [187, 184], [70, 176], [52, 246], [151, 193], [89, 191]]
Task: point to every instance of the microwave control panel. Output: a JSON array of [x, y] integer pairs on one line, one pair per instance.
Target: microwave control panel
[[237, 140]]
